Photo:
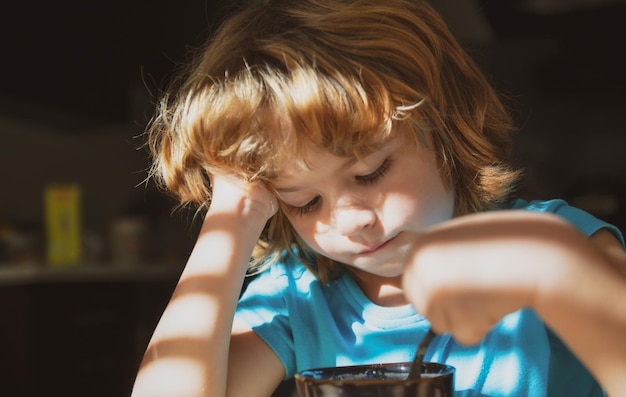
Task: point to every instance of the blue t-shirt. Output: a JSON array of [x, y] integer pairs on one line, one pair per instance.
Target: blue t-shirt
[[309, 325]]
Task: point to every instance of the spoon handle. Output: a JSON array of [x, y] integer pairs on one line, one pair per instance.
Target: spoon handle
[[416, 367]]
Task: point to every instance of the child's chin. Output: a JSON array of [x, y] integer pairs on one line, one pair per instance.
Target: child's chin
[[386, 270]]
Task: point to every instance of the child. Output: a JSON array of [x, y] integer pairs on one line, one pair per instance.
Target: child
[[358, 156]]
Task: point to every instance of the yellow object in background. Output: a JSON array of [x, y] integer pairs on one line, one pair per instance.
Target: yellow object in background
[[63, 225]]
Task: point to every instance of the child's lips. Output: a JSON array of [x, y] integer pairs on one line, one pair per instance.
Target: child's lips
[[378, 246]]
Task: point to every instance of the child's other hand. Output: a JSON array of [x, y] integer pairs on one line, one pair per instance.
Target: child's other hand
[[466, 274], [233, 192]]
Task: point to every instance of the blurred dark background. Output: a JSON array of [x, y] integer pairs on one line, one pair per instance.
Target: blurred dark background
[[77, 88]]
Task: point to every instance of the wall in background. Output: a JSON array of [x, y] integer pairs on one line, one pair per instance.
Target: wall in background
[[109, 165]]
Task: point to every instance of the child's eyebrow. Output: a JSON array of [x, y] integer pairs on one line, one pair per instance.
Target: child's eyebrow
[[288, 189], [346, 164]]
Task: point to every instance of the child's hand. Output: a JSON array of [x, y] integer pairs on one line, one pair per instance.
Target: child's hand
[[466, 274], [233, 192]]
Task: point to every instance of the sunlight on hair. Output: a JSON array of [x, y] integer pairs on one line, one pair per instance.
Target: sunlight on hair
[[307, 93]]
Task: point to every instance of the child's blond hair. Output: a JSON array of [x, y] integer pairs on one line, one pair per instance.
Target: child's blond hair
[[337, 74]]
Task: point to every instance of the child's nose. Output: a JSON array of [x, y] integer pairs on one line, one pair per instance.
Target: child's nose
[[350, 221]]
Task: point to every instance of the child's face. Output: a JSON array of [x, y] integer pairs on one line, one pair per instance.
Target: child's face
[[360, 212]]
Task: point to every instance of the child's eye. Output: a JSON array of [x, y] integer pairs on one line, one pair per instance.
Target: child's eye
[[307, 208], [376, 175]]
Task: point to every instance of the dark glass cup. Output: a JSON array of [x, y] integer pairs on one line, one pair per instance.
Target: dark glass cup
[[376, 380]]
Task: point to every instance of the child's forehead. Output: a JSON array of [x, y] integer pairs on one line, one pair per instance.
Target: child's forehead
[[306, 155], [299, 153]]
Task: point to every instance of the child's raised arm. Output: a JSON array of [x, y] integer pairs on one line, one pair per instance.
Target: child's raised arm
[[466, 274], [188, 354]]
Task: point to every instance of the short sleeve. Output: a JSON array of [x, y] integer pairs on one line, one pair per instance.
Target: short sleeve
[[584, 221]]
